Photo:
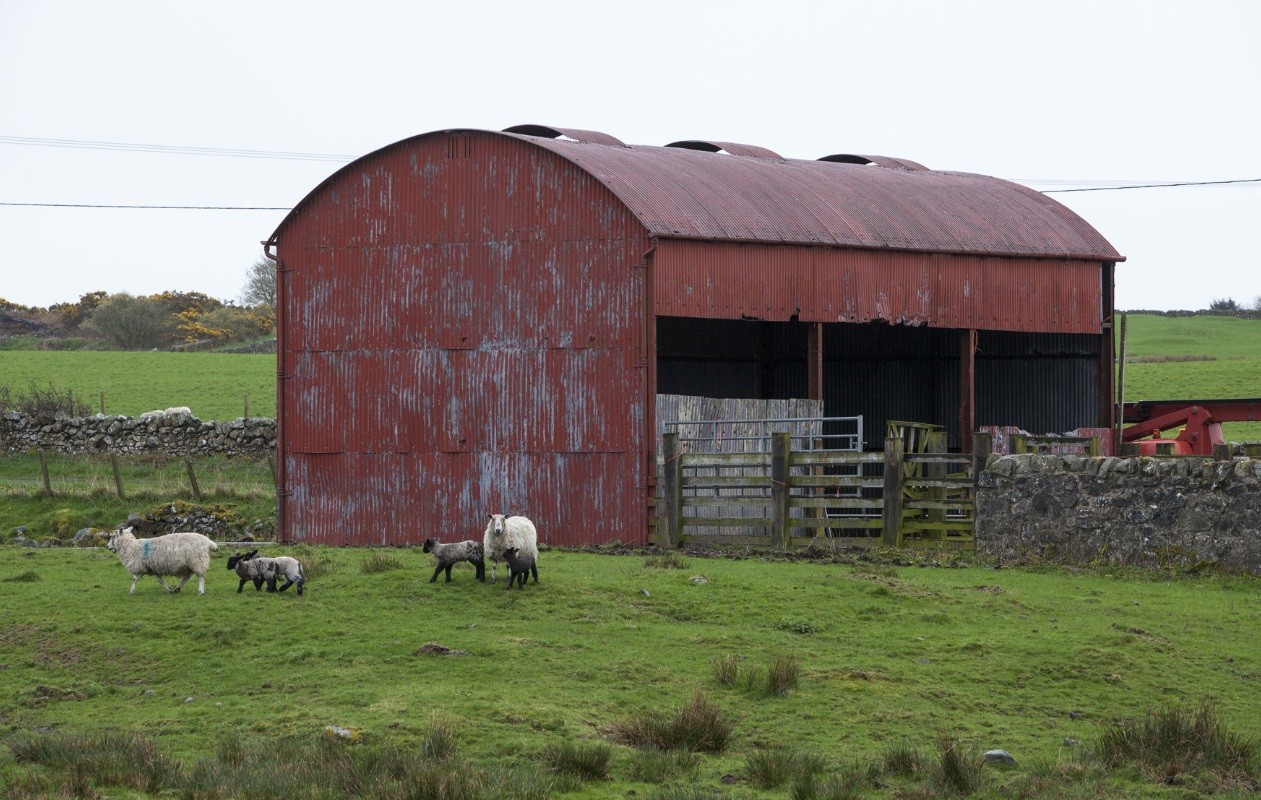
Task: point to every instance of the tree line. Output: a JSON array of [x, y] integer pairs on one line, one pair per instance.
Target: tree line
[[125, 321]]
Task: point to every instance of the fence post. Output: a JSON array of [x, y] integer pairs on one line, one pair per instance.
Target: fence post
[[892, 533], [43, 474], [247, 406], [192, 479], [671, 491], [1221, 452], [102, 402], [118, 477], [781, 444], [1019, 444], [271, 462]]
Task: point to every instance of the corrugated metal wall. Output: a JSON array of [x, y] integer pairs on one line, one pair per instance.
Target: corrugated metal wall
[[821, 284], [461, 334]]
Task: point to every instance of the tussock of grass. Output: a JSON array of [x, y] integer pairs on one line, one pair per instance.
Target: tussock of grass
[[902, 760], [110, 758], [588, 761], [956, 771], [783, 675], [29, 576], [698, 726], [726, 670], [380, 562], [1174, 741], [659, 766], [666, 560], [768, 769]]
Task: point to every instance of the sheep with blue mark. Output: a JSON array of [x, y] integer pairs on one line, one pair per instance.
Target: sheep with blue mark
[[183, 555]]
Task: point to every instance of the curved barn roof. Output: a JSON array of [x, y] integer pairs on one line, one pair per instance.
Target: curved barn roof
[[731, 192]]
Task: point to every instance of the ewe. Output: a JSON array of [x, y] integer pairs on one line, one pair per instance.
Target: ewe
[[181, 554], [503, 532]]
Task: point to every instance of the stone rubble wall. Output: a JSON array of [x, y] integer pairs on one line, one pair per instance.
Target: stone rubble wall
[[170, 434], [1149, 512]]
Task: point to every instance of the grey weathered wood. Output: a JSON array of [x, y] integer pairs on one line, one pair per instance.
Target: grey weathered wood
[[892, 528], [118, 476], [192, 479], [43, 474], [780, 443], [672, 491]]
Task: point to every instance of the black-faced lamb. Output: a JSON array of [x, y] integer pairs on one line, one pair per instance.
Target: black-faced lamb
[[503, 532], [449, 555], [250, 569], [519, 567], [183, 555]]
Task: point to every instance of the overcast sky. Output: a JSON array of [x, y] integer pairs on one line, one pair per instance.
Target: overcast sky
[[1055, 95]]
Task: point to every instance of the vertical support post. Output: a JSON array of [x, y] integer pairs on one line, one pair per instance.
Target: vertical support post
[[814, 362], [892, 533], [967, 388], [247, 406], [118, 476], [43, 474], [671, 491], [192, 479], [102, 402], [982, 447], [781, 444], [1108, 383], [1120, 407], [1018, 444], [1221, 452], [271, 462]]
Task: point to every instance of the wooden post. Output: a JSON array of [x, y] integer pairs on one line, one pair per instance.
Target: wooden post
[[892, 533], [247, 406], [118, 476], [1221, 452], [967, 388], [271, 462], [982, 446], [781, 444], [192, 479], [1252, 449], [814, 362], [1120, 411], [671, 491], [102, 402], [1018, 444], [43, 474], [1092, 447]]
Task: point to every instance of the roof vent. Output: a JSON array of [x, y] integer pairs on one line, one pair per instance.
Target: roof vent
[[879, 161], [732, 148], [575, 134]]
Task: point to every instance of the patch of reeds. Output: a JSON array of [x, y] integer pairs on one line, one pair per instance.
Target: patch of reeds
[[956, 771], [1173, 741], [768, 769], [902, 760], [106, 758], [667, 560], [588, 761], [659, 766], [726, 670], [697, 726], [380, 562], [783, 675]]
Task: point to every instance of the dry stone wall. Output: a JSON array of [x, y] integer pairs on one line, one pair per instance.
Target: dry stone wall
[[177, 434], [1139, 511]]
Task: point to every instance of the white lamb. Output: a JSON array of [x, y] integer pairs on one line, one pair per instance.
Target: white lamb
[[180, 554], [503, 532]]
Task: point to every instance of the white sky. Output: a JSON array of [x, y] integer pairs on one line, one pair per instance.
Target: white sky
[[1073, 90]]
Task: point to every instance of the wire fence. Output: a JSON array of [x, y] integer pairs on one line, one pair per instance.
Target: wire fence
[[59, 474]]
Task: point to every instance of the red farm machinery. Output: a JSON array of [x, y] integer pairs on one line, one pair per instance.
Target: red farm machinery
[[1199, 421]]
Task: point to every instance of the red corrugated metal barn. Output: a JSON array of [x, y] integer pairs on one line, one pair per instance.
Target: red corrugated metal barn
[[476, 321]]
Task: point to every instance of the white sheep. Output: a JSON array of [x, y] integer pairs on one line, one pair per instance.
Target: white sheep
[[449, 555], [291, 569], [503, 532], [182, 554]]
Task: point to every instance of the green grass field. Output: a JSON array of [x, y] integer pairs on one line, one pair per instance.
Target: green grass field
[[213, 385], [890, 658]]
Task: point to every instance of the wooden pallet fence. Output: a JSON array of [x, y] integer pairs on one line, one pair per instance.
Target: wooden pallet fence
[[797, 496]]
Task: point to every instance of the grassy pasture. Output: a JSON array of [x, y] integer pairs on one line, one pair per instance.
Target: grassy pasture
[[888, 657], [213, 385]]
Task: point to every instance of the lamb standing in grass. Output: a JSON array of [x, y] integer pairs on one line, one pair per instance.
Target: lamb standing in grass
[[181, 554], [249, 569], [503, 532], [291, 569], [449, 555], [519, 567]]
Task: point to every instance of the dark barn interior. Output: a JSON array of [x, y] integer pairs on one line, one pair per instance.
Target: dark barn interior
[[882, 372]]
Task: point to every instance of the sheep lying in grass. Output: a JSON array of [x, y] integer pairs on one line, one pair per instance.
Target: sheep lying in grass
[[180, 554], [503, 532], [519, 567], [449, 555], [249, 567]]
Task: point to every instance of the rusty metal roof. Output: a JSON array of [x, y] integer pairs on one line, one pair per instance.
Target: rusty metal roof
[[690, 190]]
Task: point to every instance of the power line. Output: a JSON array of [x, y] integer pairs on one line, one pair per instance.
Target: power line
[[80, 144], [181, 208], [1149, 186]]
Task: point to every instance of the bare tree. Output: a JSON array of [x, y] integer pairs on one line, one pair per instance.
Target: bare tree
[[132, 323], [1256, 303], [260, 284]]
